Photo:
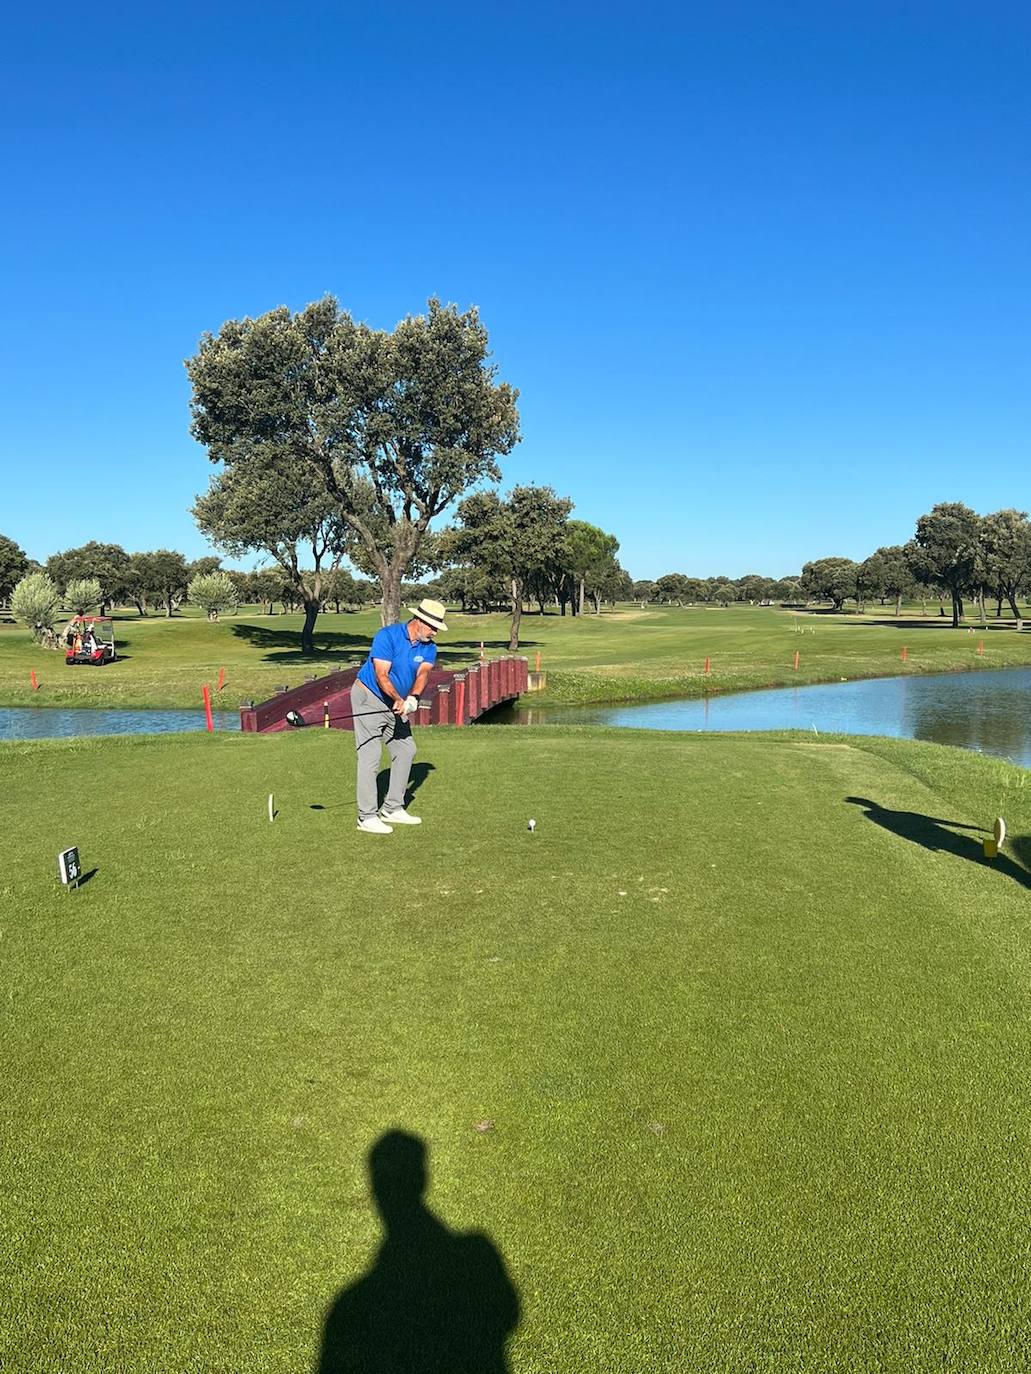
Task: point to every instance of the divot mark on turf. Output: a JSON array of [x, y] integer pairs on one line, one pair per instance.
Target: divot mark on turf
[[483, 1126], [656, 1128]]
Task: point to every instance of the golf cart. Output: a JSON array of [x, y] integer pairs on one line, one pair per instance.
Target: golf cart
[[89, 639]]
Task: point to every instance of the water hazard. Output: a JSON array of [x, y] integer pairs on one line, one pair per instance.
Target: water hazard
[[989, 711], [53, 722]]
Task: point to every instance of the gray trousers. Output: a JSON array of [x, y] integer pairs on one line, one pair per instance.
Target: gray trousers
[[375, 724]]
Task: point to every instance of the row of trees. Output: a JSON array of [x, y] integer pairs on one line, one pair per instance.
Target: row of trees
[[677, 589], [954, 553], [97, 576], [156, 580]]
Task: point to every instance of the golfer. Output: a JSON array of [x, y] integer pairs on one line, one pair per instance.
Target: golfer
[[385, 693]]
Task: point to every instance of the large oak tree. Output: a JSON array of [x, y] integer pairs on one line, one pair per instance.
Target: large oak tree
[[390, 427]]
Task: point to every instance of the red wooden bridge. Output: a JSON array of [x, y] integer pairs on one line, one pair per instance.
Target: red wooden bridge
[[452, 697]]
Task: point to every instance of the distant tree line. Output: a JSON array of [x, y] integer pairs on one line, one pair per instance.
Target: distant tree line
[[955, 554], [677, 589], [98, 576]]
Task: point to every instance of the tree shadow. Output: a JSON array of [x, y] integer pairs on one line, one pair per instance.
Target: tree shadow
[[935, 834], [284, 646], [420, 772], [434, 1301]]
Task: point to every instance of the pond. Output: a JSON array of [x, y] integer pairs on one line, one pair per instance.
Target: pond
[[989, 711], [53, 722]]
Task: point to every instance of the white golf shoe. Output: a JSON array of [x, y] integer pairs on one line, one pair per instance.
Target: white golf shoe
[[372, 825], [399, 817]]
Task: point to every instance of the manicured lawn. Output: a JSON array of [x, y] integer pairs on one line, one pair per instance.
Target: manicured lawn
[[755, 1055], [626, 654]]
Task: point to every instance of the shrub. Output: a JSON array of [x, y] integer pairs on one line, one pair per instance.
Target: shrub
[[34, 602], [213, 593], [82, 594]]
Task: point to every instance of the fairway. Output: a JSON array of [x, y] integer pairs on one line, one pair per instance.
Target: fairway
[[749, 1060], [628, 653]]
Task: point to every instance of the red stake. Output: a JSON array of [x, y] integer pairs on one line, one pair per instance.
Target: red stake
[[460, 703], [35, 684], [905, 654], [206, 693], [221, 678], [980, 647], [707, 664], [796, 660], [538, 660]]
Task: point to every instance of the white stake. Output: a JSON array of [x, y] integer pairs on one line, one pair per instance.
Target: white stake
[[271, 808]]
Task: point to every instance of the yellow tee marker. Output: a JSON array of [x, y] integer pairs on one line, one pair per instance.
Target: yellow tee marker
[[991, 847]]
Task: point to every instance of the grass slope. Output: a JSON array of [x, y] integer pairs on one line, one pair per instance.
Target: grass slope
[[757, 1067], [623, 655]]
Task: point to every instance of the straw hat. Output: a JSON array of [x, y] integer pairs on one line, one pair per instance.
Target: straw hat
[[432, 612]]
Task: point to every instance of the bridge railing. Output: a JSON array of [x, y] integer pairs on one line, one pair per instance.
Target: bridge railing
[[452, 696]]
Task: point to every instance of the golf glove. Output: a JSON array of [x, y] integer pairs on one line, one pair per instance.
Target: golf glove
[[411, 705]]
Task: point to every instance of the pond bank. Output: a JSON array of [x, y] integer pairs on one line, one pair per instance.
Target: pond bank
[[983, 710]]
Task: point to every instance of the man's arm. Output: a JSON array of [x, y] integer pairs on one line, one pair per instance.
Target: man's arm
[[421, 679], [381, 667]]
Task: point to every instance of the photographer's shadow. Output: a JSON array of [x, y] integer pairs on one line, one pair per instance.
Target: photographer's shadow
[[934, 833], [434, 1301]]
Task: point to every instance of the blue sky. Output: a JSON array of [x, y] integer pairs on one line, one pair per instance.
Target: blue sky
[[760, 272]]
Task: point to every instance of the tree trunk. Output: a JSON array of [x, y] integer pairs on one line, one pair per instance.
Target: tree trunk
[[957, 609], [980, 604], [517, 615], [597, 602], [1011, 597], [390, 603], [898, 605], [311, 611], [580, 610]]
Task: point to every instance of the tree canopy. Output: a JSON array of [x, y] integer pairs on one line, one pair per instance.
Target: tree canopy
[[14, 564], [510, 539], [944, 552], [390, 427], [108, 563]]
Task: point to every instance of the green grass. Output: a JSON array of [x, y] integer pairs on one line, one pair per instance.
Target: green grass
[[757, 1067], [628, 654]]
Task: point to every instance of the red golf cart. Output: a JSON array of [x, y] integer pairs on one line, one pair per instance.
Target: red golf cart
[[89, 639]]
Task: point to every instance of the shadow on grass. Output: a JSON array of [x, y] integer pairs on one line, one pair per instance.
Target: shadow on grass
[[284, 646], [933, 833], [420, 772], [433, 1299]]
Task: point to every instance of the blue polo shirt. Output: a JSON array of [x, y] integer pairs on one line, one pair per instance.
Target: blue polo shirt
[[405, 659]]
